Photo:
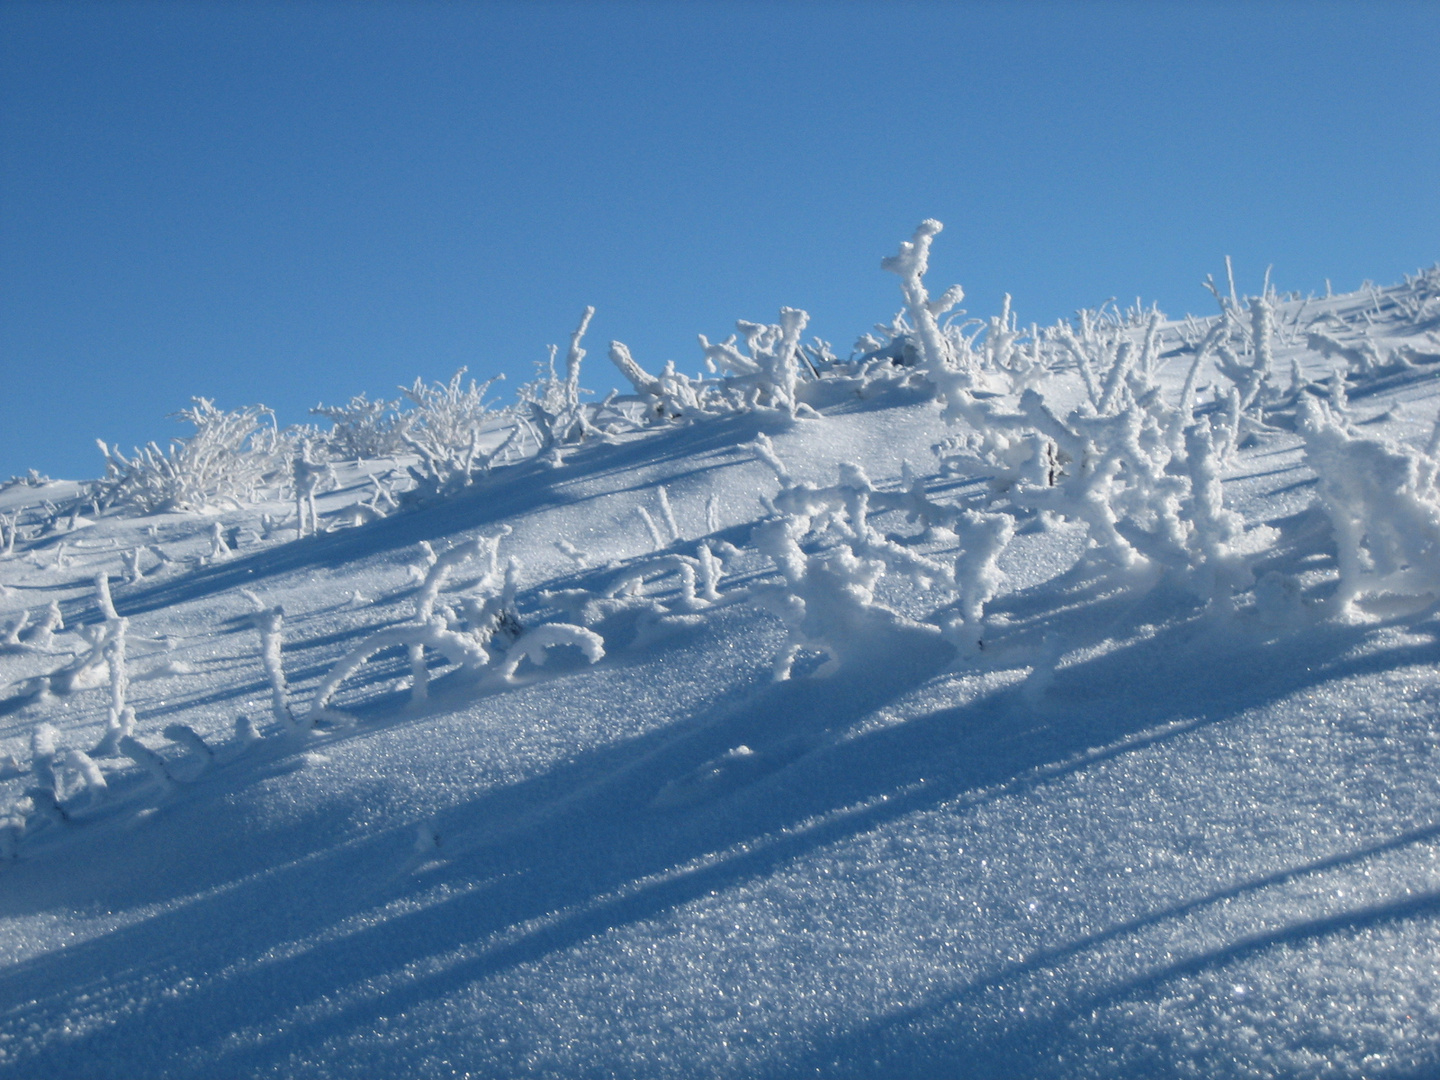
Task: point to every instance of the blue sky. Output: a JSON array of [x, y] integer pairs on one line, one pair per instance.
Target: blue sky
[[291, 203]]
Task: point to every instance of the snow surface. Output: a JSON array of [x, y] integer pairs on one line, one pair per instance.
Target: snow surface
[[1119, 833]]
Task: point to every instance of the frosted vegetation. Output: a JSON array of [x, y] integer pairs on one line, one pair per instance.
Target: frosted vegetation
[[1052, 700]]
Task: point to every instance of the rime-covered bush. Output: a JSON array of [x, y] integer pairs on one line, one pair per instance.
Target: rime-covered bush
[[992, 354], [827, 598], [473, 631], [768, 373], [549, 409], [1135, 468], [229, 460], [1383, 503], [362, 429], [762, 366], [454, 432], [33, 479]]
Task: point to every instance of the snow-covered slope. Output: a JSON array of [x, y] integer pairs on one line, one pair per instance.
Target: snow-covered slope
[[1174, 812]]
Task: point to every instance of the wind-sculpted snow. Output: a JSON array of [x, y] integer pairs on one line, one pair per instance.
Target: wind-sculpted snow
[[993, 702]]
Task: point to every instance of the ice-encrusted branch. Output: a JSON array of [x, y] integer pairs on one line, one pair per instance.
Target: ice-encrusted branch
[[983, 538], [120, 719], [90, 773], [149, 760], [573, 358], [656, 539], [443, 565], [306, 475], [458, 648], [667, 514], [270, 623], [536, 643], [102, 596], [911, 263], [630, 582], [85, 669], [643, 382]]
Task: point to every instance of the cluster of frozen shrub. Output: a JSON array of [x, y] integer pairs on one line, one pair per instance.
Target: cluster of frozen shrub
[[442, 437], [1134, 461], [1129, 451], [1118, 423], [476, 629], [230, 459], [1138, 465]]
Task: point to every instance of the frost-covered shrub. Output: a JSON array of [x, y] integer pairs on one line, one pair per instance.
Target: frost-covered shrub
[[458, 648], [987, 354], [449, 429], [669, 395], [1251, 370], [305, 478], [91, 666], [1127, 463], [91, 776], [120, 719], [33, 478], [270, 623], [1362, 358], [910, 263], [632, 579], [827, 601], [362, 429], [1108, 356], [229, 459], [768, 373], [1420, 295], [763, 366], [1383, 503], [21, 635], [476, 630], [1138, 467], [550, 407], [1021, 357]]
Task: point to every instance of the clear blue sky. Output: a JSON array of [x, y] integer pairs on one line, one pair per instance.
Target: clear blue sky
[[291, 203]]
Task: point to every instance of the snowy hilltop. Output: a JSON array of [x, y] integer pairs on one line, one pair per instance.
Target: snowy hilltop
[[995, 701]]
